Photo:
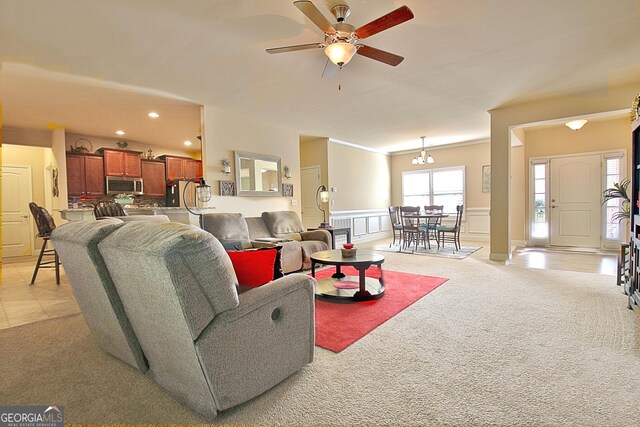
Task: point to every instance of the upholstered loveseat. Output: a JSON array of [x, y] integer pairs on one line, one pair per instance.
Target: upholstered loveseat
[[286, 225], [163, 298]]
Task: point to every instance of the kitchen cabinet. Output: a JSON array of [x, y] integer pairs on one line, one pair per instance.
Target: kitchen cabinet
[[85, 175], [182, 167], [153, 178], [122, 163]]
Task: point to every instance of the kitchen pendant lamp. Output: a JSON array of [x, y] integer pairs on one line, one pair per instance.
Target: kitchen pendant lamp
[[422, 158]]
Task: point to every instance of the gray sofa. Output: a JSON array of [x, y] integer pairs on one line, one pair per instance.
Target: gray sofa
[[286, 225], [163, 298]]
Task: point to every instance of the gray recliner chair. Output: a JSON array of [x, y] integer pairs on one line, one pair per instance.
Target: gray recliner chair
[[163, 298], [209, 346], [98, 299]]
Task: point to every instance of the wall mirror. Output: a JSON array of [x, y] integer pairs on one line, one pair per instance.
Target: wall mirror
[[258, 174]]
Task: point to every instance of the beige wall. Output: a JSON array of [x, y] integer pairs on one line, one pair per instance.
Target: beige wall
[[226, 132], [361, 177], [472, 157], [518, 186], [504, 119], [596, 135], [315, 153]]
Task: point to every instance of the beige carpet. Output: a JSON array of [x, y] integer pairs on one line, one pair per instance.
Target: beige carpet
[[494, 345]]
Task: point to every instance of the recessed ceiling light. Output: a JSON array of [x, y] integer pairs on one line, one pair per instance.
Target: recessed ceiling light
[[153, 115], [120, 132], [187, 143]]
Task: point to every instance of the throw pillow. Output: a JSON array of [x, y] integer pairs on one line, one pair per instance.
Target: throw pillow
[[253, 268]]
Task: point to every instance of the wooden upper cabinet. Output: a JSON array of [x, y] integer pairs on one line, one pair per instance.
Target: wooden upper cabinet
[[191, 169], [182, 167], [153, 178], [132, 165], [122, 163], [175, 167], [94, 176], [75, 175], [85, 175]]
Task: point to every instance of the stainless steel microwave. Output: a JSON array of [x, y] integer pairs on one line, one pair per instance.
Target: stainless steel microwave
[[118, 184]]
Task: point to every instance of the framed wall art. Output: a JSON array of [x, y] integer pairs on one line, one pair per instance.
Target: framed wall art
[[287, 190], [227, 188], [486, 178]]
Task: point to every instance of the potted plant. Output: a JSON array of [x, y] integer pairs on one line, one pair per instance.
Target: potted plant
[[619, 191], [124, 199]]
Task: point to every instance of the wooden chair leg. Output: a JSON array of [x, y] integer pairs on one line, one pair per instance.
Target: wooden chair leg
[[57, 264], [35, 271]]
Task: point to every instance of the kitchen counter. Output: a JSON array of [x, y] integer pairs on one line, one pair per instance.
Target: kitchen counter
[[175, 214]]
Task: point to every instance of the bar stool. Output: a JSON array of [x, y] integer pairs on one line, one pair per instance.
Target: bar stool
[[105, 209], [45, 225]]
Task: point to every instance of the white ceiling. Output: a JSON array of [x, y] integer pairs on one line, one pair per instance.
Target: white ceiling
[[463, 58]]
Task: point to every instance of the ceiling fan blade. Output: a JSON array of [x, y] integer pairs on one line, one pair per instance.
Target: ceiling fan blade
[[315, 16], [385, 22], [296, 47], [380, 55], [329, 70]]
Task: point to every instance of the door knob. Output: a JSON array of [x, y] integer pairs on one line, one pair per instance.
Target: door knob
[[25, 216], [553, 206]]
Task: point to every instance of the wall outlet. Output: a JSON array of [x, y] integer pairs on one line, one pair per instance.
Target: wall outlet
[[333, 202], [294, 202]]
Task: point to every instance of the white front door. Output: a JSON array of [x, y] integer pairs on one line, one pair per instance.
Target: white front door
[[310, 181], [575, 188], [17, 223]]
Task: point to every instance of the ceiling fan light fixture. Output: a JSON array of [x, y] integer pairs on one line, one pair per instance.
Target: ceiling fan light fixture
[[340, 53], [576, 124]]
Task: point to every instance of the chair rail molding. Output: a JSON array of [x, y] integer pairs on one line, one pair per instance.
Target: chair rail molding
[[365, 224], [477, 224]]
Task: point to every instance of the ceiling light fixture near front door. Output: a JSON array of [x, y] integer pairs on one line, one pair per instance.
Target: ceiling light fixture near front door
[[576, 124], [421, 159]]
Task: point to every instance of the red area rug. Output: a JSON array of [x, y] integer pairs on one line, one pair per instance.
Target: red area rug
[[339, 325]]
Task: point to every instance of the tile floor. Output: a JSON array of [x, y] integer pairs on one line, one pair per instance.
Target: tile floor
[[22, 303]]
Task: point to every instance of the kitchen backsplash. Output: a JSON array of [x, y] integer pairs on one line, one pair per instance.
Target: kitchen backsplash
[[75, 202]]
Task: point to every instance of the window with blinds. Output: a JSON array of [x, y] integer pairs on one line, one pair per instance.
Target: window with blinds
[[434, 187]]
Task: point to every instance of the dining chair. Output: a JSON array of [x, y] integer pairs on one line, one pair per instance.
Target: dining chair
[[412, 229], [104, 209], [432, 223], [396, 224], [451, 233], [45, 224]]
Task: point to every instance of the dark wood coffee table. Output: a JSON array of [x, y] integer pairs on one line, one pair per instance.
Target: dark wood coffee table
[[337, 287]]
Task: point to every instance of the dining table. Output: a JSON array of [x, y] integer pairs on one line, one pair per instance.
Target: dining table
[[431, 218]]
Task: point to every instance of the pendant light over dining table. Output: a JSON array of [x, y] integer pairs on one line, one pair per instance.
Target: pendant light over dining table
[[423, 157]]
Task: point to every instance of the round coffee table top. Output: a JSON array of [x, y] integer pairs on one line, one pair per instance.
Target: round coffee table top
[[334, 257]]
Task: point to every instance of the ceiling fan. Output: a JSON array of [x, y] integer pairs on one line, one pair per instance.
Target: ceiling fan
[[342, 40]]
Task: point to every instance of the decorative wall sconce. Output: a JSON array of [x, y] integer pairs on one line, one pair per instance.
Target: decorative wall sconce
[[226, 166], [287, 172]]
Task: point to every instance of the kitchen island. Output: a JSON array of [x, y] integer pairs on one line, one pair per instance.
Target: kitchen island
[[175, 214]]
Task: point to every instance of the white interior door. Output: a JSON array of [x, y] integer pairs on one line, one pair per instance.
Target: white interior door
[[16, 217], [310, 181], [574, 203]]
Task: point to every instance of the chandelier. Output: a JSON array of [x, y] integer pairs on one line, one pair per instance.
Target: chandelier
[[421, 159]]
